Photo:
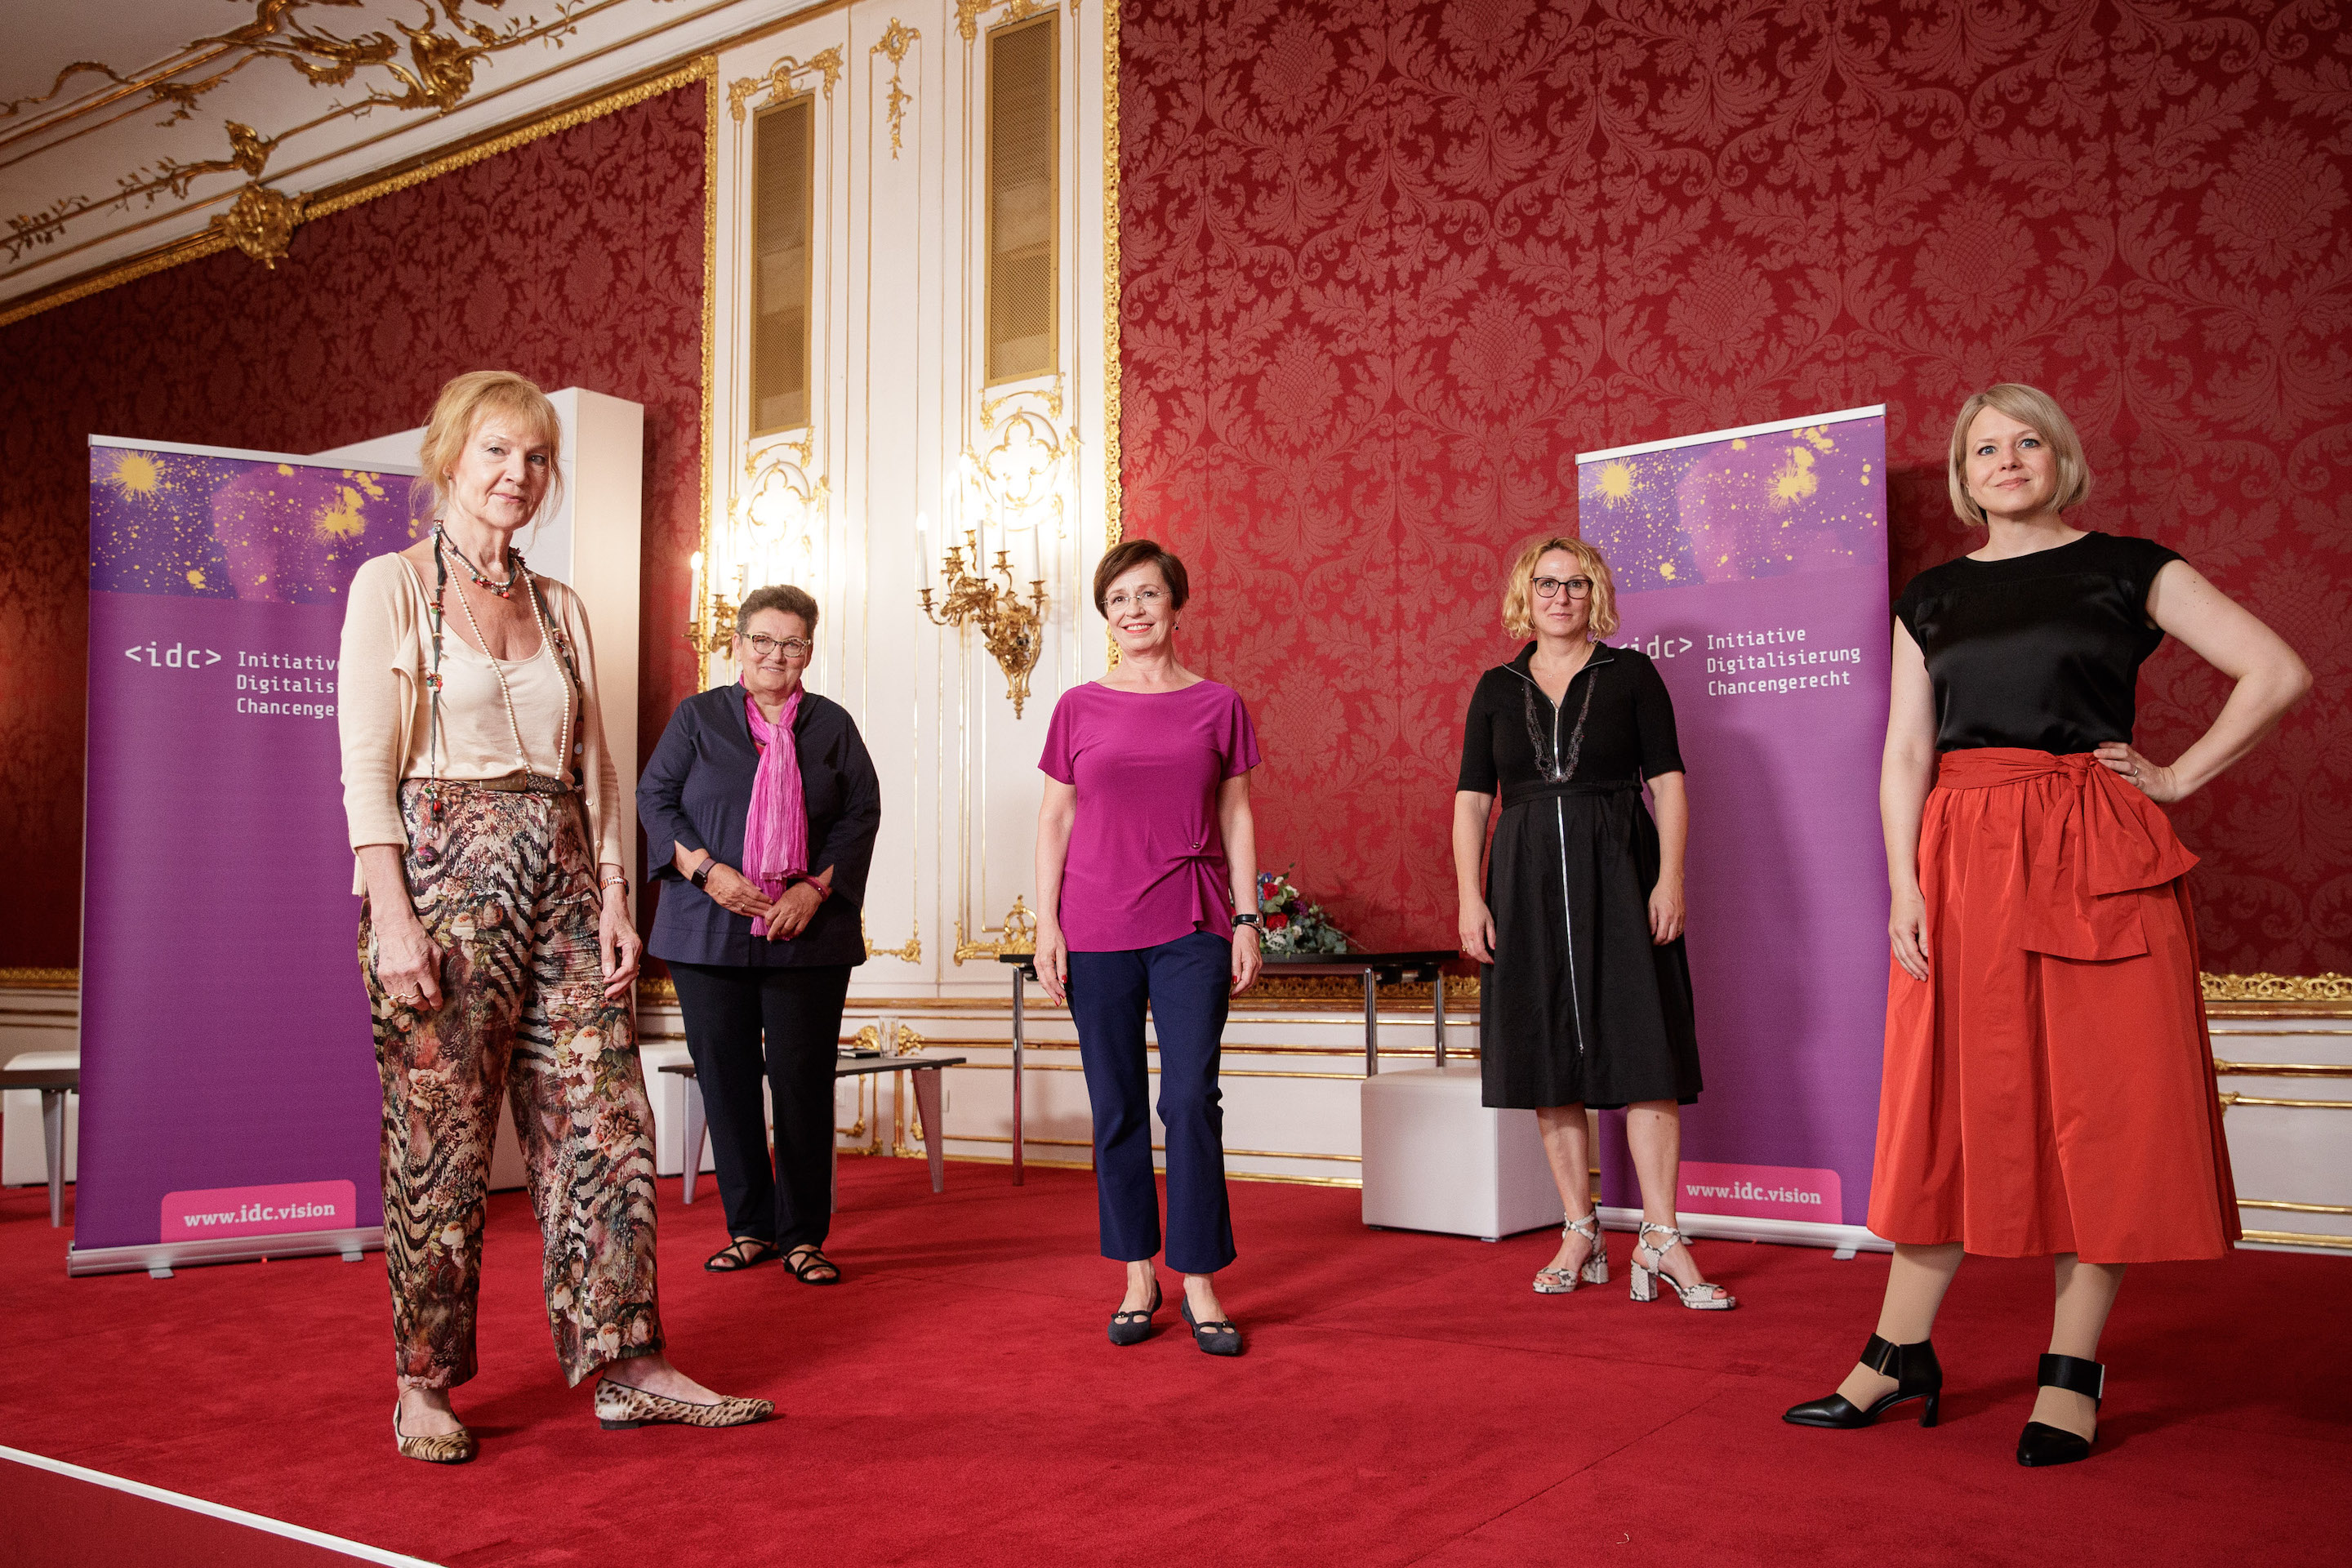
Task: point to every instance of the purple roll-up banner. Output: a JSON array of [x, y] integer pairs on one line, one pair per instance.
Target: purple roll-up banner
[[229, 1101], [1752, 565]]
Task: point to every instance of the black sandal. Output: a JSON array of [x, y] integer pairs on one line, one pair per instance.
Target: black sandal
[[1215, 1337], [732, 1257], [813, 1266]]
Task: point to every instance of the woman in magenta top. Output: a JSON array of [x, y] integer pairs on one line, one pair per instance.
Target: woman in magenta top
[[1146, 892]]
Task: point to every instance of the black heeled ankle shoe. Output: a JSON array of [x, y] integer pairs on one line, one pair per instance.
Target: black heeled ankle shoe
[[2042, 1444], [1916, 1375], [1134, 1328]]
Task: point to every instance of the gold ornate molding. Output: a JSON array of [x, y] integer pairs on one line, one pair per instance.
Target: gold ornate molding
[[911, 952], [41, 979], [896, 41], [782, 78], [2267, 987], [438, 75], [1018, 934], [331, 199], [261, 224]]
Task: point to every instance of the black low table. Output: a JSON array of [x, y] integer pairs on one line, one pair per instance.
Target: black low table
[[924, 1067], [54, 1084], [1375, 969]]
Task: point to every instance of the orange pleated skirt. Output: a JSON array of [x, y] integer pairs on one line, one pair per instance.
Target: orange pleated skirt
[[2049, 1088]]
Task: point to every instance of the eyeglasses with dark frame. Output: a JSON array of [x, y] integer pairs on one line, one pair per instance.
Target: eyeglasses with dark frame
[[765, 647], [1549, 587]]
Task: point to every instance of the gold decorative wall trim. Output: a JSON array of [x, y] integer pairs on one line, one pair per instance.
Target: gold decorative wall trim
[[2262, 994], [41, 979], [710, 333], [1113, 520], [345, 194], [2275, 1238]]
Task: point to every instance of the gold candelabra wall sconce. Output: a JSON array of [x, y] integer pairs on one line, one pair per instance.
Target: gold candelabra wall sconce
[[1012, 629]]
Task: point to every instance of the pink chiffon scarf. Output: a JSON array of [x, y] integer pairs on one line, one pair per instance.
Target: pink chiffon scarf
[[775, 835]]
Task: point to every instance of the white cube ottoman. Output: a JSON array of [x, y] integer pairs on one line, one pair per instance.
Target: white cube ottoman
[[1435, 1159]]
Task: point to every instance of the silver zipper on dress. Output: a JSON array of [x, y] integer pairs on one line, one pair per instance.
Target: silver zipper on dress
[[1560, 821]]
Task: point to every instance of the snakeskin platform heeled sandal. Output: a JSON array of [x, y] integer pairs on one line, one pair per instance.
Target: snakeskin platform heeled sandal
[[1593, 1270], [439, 1448], [620, 1407], [1698, 1298]]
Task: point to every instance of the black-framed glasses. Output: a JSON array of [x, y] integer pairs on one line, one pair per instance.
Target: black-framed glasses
[[1549, 587], [765, 647]]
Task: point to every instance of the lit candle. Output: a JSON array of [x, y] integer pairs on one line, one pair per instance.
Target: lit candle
[[1033, 555], [695, 561]]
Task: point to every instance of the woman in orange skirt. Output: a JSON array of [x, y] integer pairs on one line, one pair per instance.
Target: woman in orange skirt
[[2049, 1084]]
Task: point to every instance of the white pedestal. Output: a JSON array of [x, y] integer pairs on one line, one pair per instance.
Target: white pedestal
[[1435, 1159]]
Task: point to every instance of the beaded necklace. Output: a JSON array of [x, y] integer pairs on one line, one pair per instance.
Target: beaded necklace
[[514, 566], [550, 644]]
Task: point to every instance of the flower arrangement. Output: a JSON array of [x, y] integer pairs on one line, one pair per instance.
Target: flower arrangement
[[1294, 928]]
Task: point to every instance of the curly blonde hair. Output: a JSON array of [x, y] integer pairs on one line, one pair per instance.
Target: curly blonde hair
[[464, 404], [2027, 406], [1519, 591]]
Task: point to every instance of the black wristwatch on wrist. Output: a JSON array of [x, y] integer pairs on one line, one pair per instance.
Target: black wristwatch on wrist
[[702, 873], [1250, 918]]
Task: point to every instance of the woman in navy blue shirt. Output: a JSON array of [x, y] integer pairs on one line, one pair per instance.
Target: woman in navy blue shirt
[[767, 805]]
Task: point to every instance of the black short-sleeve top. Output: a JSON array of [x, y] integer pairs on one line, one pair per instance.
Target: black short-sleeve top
[[1615, 726], [2040, 651]]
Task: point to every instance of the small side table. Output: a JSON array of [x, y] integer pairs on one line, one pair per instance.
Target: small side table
[[54, 1084], [1376, 969], [926, 1071]]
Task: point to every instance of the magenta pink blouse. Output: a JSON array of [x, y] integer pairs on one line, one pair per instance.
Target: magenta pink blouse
[[1147, 863]]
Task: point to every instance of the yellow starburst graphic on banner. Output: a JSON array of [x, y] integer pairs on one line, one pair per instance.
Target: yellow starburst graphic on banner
[[136, 474]]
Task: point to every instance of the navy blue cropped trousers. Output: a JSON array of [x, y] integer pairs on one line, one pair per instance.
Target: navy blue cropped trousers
[[1185, 982]]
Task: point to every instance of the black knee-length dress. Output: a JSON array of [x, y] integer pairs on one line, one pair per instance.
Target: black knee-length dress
[[1579, 1005]]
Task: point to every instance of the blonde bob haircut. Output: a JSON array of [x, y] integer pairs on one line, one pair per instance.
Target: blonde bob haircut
[[458, 412], [2027, 406], [1518, 593]]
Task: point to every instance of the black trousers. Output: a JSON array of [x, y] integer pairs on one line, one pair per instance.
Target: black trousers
[[728, 1009]]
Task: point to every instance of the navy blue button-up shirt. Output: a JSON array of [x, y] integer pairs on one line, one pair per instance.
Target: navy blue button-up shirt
[[696, 792]]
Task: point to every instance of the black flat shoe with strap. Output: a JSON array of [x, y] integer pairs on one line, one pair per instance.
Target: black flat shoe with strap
[[811, 1267], [1916, 1375], [738, 1254], [2042, 1443], [1132, 1328], [1215, 1337]]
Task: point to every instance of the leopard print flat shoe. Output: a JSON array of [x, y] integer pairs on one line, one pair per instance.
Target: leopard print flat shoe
[[439, 1448], [620, 1407]]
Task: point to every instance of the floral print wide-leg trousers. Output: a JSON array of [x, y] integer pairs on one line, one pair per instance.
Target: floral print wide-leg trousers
[[506, 884]]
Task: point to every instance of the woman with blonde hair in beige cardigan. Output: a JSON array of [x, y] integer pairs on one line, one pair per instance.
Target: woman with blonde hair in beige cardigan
[[494, 937]]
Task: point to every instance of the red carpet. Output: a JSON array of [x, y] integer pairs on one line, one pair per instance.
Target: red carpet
[[1405, 1399]]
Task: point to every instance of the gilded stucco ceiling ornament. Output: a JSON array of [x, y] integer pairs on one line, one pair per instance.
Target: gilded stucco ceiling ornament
[[437, 76], [262, 223]]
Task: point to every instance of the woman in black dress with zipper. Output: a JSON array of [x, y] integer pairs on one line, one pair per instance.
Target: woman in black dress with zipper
[[1585, 995]]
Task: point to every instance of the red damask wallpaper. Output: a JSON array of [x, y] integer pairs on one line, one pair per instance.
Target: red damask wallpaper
[[1389, 264], [575, 259]]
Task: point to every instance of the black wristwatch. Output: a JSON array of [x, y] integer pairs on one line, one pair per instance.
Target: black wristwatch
[[702, 873], [1251, 917]]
